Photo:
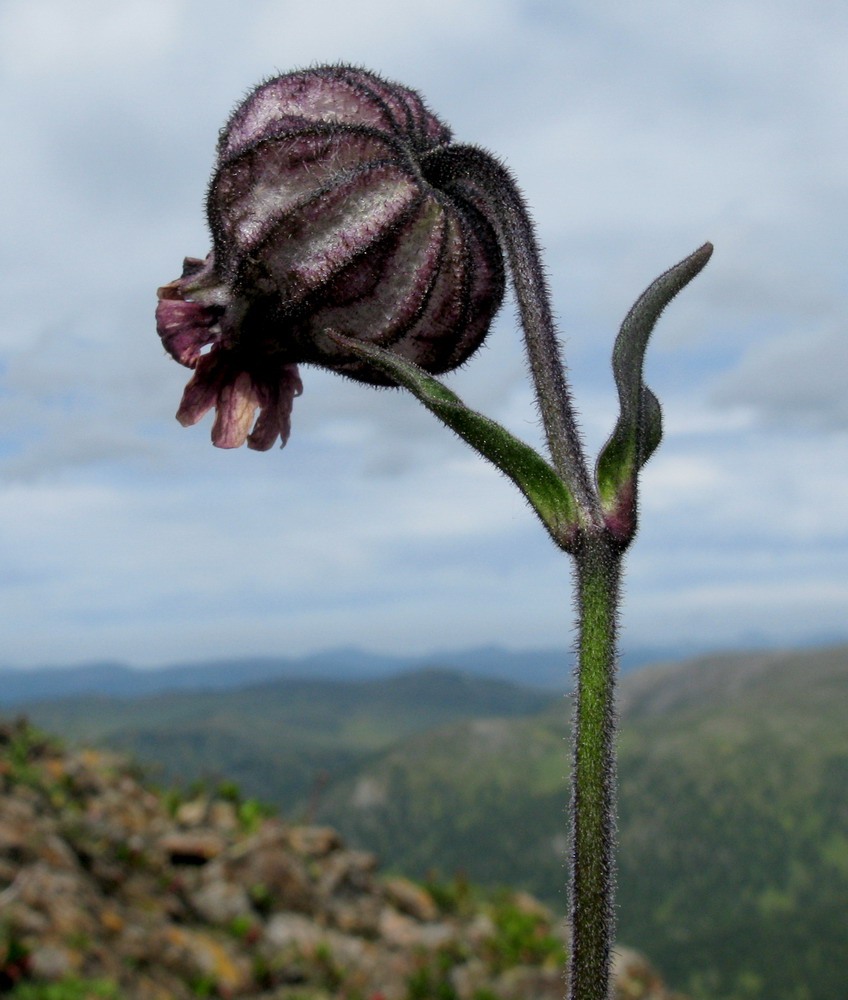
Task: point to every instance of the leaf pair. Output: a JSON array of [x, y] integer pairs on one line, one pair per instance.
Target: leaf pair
[[636, 435]]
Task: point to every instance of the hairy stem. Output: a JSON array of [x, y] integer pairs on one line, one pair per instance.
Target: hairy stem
[[477, 176], [598, 565]]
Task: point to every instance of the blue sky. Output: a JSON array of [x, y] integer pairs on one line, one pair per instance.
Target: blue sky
[[637, 132]]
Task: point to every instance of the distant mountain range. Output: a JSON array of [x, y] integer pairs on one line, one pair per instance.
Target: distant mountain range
[[733, 793], [733, 817], [278, 738], [547, 668]]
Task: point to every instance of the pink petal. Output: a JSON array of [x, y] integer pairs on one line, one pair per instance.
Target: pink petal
[[275, 416], [237, 403], [201, 393], [184, 328]]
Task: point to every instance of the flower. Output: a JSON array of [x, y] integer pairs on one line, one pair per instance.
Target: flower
[[325, 221]]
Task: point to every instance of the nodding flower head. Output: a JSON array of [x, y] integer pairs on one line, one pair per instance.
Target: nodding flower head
[[324, 222]]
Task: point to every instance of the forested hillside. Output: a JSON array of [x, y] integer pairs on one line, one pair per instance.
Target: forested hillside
[[733, 817], [733, 804]]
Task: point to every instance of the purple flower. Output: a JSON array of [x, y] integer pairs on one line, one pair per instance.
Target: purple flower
[[326, 221]]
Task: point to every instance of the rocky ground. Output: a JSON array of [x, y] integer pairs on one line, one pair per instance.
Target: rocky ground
[[109, 889]]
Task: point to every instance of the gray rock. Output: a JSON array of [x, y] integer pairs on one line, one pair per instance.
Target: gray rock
[[52, 962], [410, 898], [400, 931], [220, 902], [314, 841]]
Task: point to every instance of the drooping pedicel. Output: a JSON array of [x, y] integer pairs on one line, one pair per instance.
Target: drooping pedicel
[[324, 221]]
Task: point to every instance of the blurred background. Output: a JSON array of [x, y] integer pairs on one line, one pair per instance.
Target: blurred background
[[637, 133]]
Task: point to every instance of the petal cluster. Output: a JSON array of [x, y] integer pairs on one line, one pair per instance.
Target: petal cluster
[[324, 222]]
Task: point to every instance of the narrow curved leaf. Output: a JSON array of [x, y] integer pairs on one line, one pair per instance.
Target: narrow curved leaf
[[539, 483], [639, 428]]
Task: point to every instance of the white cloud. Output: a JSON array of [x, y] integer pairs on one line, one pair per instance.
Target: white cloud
[[48, 38], [798, 379], [636, 131], [670, 480]]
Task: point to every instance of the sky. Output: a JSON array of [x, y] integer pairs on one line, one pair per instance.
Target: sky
[[637, 132]]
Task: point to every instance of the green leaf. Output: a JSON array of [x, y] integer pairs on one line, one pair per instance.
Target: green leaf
[[539, 483], [639, 428]]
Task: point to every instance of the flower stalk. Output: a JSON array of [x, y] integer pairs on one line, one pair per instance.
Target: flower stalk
[[350, 232], [598, 575], [487, 183]]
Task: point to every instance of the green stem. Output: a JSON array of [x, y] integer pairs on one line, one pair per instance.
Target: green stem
[[593, 799]]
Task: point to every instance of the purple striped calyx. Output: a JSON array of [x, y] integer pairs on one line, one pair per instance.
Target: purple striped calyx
[[324, 223]]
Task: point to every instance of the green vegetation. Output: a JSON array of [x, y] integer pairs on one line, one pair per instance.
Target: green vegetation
[[523, 937], [733, 811], [733, 862], [69, 988], [204, 986], [245, 928], [484, 799], [281, 742], [425, 984], [250, 812], [454, 897], [27, 744]]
